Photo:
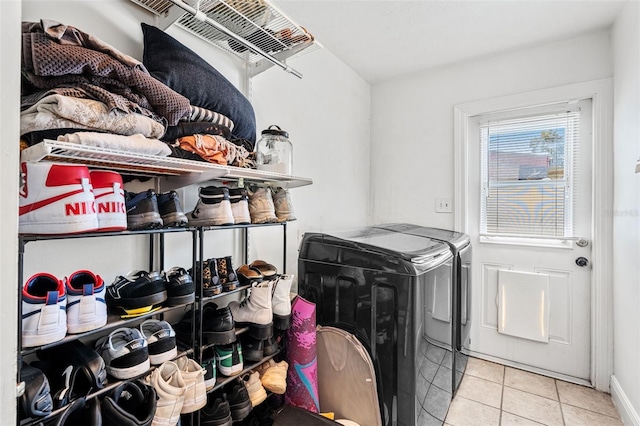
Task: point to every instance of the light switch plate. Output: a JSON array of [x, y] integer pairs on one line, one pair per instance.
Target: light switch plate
[[443, 205]]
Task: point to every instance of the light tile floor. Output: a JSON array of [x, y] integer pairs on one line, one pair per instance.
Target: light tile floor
[[492, 394]]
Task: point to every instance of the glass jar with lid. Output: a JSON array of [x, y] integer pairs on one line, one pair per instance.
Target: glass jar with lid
[[274, 151]]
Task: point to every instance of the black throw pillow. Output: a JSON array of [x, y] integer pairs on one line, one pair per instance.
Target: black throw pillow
[[184, 71]]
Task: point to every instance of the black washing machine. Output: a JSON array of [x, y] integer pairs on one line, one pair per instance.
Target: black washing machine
[[379, 281]]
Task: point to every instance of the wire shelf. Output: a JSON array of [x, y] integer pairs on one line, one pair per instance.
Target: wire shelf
[[271, 36], [173, 172]]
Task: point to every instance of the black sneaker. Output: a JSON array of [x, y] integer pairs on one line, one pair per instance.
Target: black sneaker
[[239, 402], [36, 400], [252, 348], [218, 327], [210, 281], [171, 210], [130, 404], [137, 292], [73, 370], [180, 287], [142, 210], [270, 346], [125, 352], [85, 412], [217, 411]]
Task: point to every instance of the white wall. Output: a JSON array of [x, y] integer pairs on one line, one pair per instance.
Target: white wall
[[626, 213], [412, 119], [9, 129]]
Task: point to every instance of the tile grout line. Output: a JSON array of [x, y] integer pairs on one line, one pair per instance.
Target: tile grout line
[[555, 383]]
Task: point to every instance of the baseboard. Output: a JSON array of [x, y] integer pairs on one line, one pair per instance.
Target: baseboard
[[625, 408]]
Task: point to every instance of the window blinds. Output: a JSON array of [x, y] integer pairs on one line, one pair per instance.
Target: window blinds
[[528, 174]]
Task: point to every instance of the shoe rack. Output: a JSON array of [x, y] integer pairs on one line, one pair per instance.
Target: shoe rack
[[113, 321], [155, 262], [221, 380]]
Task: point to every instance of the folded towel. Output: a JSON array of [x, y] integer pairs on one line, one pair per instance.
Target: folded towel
[[134, 143]]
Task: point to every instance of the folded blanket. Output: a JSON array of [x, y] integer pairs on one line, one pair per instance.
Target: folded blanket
[[58, 111], [134, 143], [66, 34], [47, 64]]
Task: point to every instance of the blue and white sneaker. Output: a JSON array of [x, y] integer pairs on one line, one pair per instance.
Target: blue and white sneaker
[[125, 353], [86, 305], [161, 340], [44, 315]]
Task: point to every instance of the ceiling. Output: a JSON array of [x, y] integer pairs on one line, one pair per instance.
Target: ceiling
[[381, 40]]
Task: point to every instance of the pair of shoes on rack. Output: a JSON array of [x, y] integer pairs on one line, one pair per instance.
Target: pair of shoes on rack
[[218, 326], [267, 205], [267, 306], [256, 349], [218, 206], [52, 308], [132, 403], [58, 198], [273, 376], [226, 406], [71, 369], [180, 387], [130, 352], [147, 210], [218, 276]]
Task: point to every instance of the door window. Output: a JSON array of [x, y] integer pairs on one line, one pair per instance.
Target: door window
[[528, 169]]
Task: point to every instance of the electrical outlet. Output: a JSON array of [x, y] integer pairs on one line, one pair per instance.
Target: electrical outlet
[[443, 205]]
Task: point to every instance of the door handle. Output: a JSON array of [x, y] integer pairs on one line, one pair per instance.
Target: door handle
[[582, 262]]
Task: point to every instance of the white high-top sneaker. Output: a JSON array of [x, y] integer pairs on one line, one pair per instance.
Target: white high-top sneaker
[[255, 311], [171, 388], [109, 194], [86, 304], [196, 395], [281, 302], [44, 318], [56, 199], [240, 205], [213, 208]]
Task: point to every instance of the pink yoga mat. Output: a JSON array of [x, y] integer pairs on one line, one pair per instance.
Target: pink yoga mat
[[302, 377]]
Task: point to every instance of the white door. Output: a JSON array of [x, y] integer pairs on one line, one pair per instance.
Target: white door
[[529, 200]]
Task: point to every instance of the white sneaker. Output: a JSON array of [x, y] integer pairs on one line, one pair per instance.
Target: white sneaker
[[196, 395], [125, 353], [170, 387], [283, 205], [44, 303], [109, 195], [240, 205], [56, 199], [261, 206], [86, 305], [161, 340], [213, 208]]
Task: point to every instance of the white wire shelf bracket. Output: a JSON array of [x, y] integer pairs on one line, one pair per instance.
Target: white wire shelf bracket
[[173, 173], [255, 31]]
